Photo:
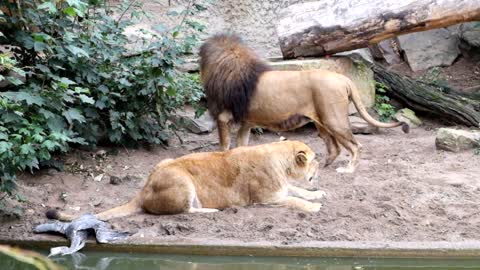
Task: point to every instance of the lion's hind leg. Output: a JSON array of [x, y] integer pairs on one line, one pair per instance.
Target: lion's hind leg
[[345, 138]]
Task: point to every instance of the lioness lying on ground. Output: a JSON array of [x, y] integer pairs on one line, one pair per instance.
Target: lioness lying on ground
[[242, 88], [206, 182]]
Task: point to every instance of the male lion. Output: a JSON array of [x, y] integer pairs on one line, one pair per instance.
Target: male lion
[[205, 182], [242, 88]]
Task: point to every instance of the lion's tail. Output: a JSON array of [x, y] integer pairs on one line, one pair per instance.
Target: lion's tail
[[229, 72], [357, 101], [132, 207]]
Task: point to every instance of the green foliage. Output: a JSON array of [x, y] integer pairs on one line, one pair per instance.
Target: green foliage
[[82, 80], [382, 106]]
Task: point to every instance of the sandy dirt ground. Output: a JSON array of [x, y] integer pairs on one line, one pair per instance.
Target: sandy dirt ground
[[403, 190]]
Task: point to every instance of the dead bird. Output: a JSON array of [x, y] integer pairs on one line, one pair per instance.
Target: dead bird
[[77, 232]]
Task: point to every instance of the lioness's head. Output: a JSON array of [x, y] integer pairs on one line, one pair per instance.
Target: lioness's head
[[304, 166]]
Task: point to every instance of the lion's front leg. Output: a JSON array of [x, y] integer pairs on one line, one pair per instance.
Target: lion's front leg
[[243, 134], [223, 130], [305, 194]]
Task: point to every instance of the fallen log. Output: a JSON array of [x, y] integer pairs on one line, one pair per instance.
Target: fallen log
[[436, 100], [326, 27]]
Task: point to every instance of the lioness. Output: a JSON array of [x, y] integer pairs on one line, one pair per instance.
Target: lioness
[[242, 88], [205, 182]]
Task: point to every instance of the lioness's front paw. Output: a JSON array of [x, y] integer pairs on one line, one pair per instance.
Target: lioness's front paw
[[313, 207], [319, 194]]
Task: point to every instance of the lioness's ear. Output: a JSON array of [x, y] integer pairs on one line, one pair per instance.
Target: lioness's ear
[[301, 158]]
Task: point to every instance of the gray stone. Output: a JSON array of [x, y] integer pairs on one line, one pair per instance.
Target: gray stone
[[186, 119], [470, 32], [408, 116], [359, 73], [428, 49], [386, 50], [360, 126], [456, 140]]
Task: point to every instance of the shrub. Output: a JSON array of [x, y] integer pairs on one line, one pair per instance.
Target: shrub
[[382, 106], [73, 79]]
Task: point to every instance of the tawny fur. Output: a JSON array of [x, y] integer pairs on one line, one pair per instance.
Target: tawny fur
[[279, 100], [205, 182]]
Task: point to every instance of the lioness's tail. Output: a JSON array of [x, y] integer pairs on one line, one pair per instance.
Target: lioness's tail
[[132, 207], [229, 73], [357, 101]]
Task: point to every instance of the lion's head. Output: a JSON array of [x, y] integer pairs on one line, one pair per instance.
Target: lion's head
[[304, 166]]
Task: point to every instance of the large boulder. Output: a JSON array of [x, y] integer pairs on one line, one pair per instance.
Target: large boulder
[[428, 49], [357, 71], [456, 140], [470, 33]]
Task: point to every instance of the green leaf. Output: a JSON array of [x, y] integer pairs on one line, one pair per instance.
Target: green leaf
[[73, 114], [24, 96], [86, 99], [77, 51], [50, 145], [26, 149], [66, 81], [39, 46], [5, 146], [49, 6], [56, 123], [70, 11], [14, 80]]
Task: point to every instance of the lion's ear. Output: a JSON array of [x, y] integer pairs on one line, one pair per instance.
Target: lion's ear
[[301, 158]]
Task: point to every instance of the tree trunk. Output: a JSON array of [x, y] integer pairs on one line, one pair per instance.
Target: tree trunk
[[326, 27], [437, 100]]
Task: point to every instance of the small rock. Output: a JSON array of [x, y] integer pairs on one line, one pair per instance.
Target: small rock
[[98, 178], [408, 116], [30, 212], [96, 203], [360, 126], [114, 180], [456, 140]]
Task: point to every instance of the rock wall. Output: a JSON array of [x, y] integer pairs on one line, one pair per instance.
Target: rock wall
[[254, 20]]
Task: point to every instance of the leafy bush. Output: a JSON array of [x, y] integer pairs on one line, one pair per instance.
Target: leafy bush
[[382, 106], [73, 79]]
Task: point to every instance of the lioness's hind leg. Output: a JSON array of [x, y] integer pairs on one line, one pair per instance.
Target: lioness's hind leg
[[333, 148]]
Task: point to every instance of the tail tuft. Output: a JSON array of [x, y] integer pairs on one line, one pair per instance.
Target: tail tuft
[[405, 128], [52, 214]]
